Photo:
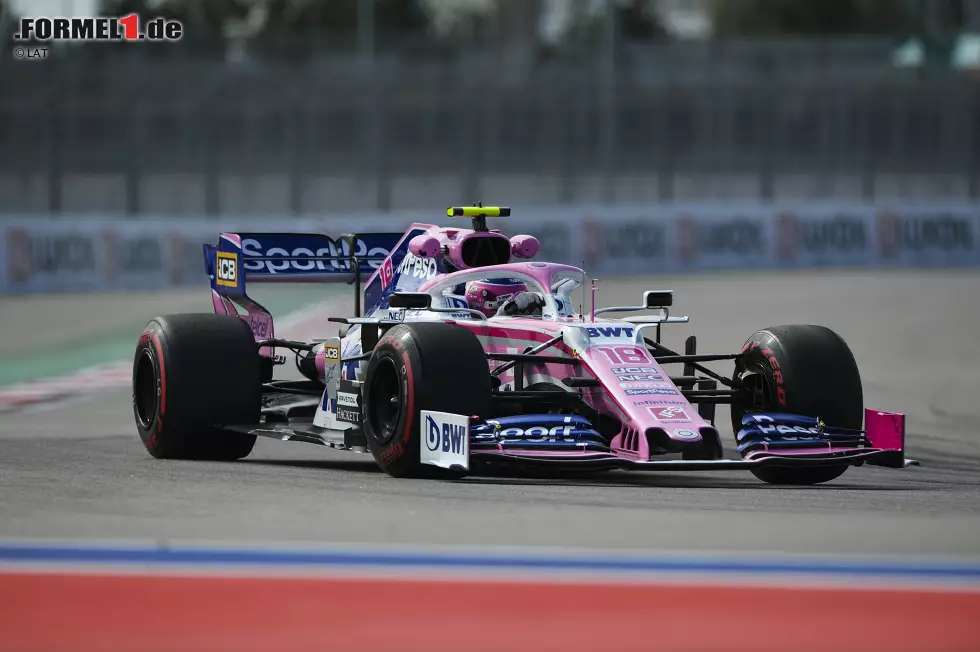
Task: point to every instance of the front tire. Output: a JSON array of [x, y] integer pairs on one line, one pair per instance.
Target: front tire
[[191, 373], [801, 369], [421, 366]]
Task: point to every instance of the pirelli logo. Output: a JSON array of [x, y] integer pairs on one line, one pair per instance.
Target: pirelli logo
[[226, 273]]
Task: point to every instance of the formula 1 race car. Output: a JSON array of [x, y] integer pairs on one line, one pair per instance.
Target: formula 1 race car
[[465, 360]]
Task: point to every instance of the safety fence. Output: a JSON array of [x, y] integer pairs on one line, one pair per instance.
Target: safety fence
[[143, 137], [81, 254]]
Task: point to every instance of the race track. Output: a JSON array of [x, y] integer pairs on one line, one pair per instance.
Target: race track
[[78, 471]]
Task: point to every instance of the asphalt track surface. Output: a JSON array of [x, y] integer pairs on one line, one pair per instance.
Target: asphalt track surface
[[78, 470]]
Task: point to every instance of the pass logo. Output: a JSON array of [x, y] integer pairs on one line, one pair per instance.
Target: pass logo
[[608, 332]]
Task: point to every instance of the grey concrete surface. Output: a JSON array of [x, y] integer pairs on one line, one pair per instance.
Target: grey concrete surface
[[36, 321], [79, 470]]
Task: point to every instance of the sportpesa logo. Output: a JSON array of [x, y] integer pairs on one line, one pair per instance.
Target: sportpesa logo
[[540, 433], [293, 259], [423, 268]]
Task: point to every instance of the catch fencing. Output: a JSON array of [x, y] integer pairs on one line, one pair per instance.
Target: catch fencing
[[124, 134]]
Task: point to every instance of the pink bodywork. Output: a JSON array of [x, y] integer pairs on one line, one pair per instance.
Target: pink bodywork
[[885, 430], [609, 398], [424, 246], [449, 240], [258, 319], [638, 413]]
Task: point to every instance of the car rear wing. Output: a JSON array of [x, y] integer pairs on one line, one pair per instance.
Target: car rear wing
[[242, 258], [293, 258]]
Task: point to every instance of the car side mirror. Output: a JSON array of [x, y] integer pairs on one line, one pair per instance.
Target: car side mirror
[[410, 300], [658, 298]]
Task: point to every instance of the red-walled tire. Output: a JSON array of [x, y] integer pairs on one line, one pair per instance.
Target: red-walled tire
[[807, 370], [191, 373], [414, 367]]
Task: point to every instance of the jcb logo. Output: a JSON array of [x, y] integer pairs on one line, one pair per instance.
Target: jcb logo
[[331, 354], [227, 269]]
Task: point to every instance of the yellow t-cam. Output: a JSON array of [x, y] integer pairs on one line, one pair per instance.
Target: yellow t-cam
[[478, 211]]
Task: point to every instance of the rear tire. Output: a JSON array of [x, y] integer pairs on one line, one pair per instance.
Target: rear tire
[[190, 373], [807, 370], [422, 366]]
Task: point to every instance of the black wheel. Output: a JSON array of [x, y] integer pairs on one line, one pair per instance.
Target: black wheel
[[191, 372], [806, 370], [415, 367]]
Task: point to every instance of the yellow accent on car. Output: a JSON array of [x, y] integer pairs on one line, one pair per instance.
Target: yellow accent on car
[[478, 211]]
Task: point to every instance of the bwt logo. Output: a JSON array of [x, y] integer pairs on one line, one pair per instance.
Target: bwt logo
[[448, 437], [610, 331]]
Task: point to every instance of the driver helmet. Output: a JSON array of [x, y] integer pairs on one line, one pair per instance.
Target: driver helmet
[[488, 295]]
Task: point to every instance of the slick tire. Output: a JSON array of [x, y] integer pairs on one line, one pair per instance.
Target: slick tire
[[806, 370], [191, 373], [422, 366]]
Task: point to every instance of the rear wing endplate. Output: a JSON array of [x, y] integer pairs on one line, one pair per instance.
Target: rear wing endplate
[[241, 258]]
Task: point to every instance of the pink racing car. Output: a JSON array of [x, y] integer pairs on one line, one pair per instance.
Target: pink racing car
[[469, 356]]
